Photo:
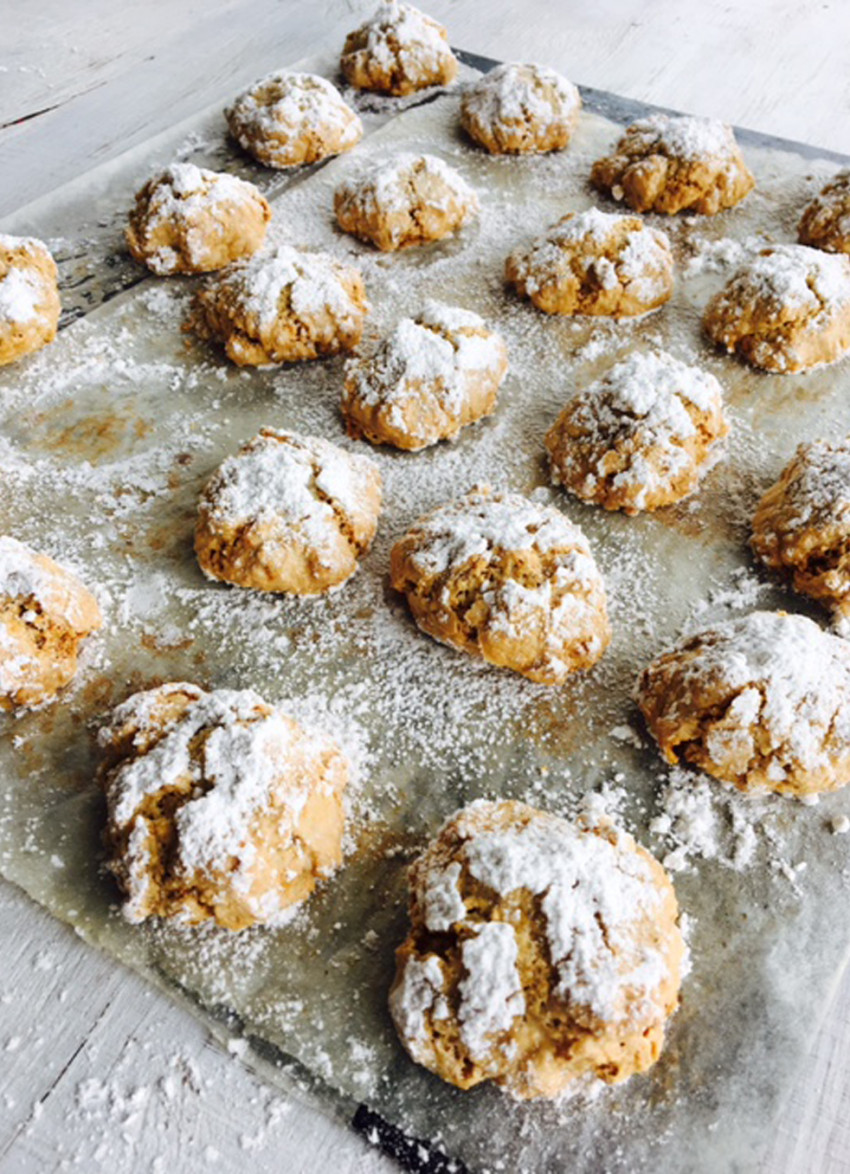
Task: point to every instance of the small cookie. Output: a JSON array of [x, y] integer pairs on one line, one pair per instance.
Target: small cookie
[[287, 119], [825, 223], [540, 951], [518, 109], [288, 513], [431, 377], [398, 51], [45, 613], [189, 220], [761, 702], [675, 163], [788, 309], [595, 263], [29, 297], [802, 524], [219, 806], [407, 200], [501, 577], [641, 437], [281, 307]]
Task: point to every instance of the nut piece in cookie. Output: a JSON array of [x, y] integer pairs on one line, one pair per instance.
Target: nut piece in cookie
[[641, 436], [802, 524], [219, 806], [540, 952], [397, 51], [675, 163], [431, 377], [45, 613], [788, 309], [520, 109], [29, 297], [825, 223], [287, 119], [189, 220], [762, 702], [595, 263], [281, 307], [507, 579], [404, 201], [288, 513]]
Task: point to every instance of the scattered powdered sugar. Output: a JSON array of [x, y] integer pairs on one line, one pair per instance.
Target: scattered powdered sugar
[[719, 255], [698, 818], [684, 136]]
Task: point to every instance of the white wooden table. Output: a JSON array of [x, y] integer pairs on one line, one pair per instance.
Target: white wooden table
[[97, 1071]]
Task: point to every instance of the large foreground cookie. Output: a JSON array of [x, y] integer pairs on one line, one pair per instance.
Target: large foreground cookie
[[190, 220], [641, 436], [288, 513], [595, 263], [675, 163], [762, 701], [500, 576], [802, 524], [29, 297], [397, 51], [45, 613], [518, 109], [291, 118], [404, 201], [787, 309], [433, 375], [825, 223], [281, 307], [219, 806], [540, 952]]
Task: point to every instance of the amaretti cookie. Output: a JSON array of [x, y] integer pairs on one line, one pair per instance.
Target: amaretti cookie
[[190, 220], [595, 263], [288, 513], [788, 309], [29, 297], [507, 579], [675, 163], [825, 223], [45, 614], [641, 436], [220, 807], [432, 376], [802, 524], [540, 951], [282, 306], [287, 119], [403, 201], [397, 51], [518, 109], [760, 702]]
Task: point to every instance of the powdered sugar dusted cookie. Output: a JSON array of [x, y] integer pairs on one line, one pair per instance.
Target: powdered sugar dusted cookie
[[282, 306], [288, 513], [517, 109], [45, 613], [802, 524], [641, 436], [291, 118], [189, 220], [675, 163], [595, 263], [29, 297], [398, 51], [219, 806], [825, 223], [761, 702], [404, 201], [787, 309], [431, 377], [540, 951], [505, 578]]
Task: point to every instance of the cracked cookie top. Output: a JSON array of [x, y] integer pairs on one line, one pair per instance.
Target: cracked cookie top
[[518, 109], [397, 51]]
